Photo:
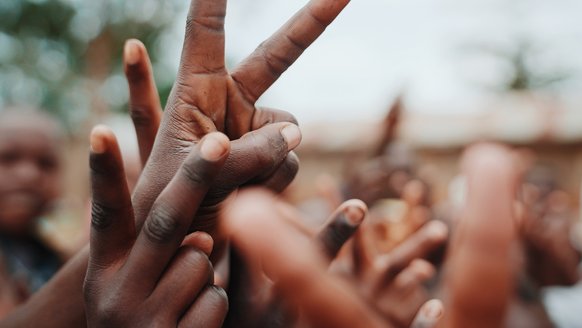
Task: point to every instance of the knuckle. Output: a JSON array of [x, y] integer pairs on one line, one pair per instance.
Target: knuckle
[[101, 215], [264, 116], [212, 23], [276, 64], [161, 225], [140, 115], [106, 311]]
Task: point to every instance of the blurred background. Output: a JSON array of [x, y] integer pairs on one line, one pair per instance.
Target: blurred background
[[453, 71], [461, 70]]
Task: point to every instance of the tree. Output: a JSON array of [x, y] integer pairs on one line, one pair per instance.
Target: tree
[[65, 55]]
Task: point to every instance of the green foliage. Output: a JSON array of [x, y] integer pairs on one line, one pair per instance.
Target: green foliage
[[62, 55]]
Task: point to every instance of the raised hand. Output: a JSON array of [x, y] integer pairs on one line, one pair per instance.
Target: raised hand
[[268, 240], [267, 232], [206, 97], [151, 275], [545, 228], [252, 297], [393, 281]]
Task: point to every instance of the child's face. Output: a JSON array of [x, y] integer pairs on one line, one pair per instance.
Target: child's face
[[29, 174]]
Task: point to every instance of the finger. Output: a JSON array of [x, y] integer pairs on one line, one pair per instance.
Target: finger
[[264, 66], [144, 102], [209, 309], [200, 240], [262, 151], [203, 50], [363, 250], [418, 272], [295, 263], [186, 276], [265, 115], [418, 245], [251, 156], [282, 177], [279, 178], [242, 121], [112, 226], [174, 209], [407, 288], [341, 226], [480, 252], [256, 154], [429, 315]]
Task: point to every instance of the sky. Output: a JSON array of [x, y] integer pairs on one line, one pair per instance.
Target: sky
[[431, 49]]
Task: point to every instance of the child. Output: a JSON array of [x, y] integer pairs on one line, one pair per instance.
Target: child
[[29, 183]]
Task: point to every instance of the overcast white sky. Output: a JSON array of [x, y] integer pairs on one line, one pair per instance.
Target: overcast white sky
[[377, 47]]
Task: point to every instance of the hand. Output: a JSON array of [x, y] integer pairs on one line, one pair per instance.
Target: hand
[[253, 300], [267, 232], [393, 282], [206, 97], [254, 151], [151, 275], [545, 229]]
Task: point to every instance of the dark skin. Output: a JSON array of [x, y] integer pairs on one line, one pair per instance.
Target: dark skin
[[190, 113], [254, 301], [30, 167], [269, 144], [261, 157], [393, 281], [546, 236], [154, 275], [298, 265], [479, 254]]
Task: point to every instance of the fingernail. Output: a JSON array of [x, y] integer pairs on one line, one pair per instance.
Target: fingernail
[[202, 241], [131, 52], [354, 215], [292, 136], [433, 309], [96, 139], [214, 146], [437, 230]]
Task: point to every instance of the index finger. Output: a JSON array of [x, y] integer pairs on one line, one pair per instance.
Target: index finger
[[341, 226], [264, 66]]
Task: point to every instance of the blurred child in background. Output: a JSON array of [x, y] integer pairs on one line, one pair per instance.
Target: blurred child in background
[[30, 168]]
